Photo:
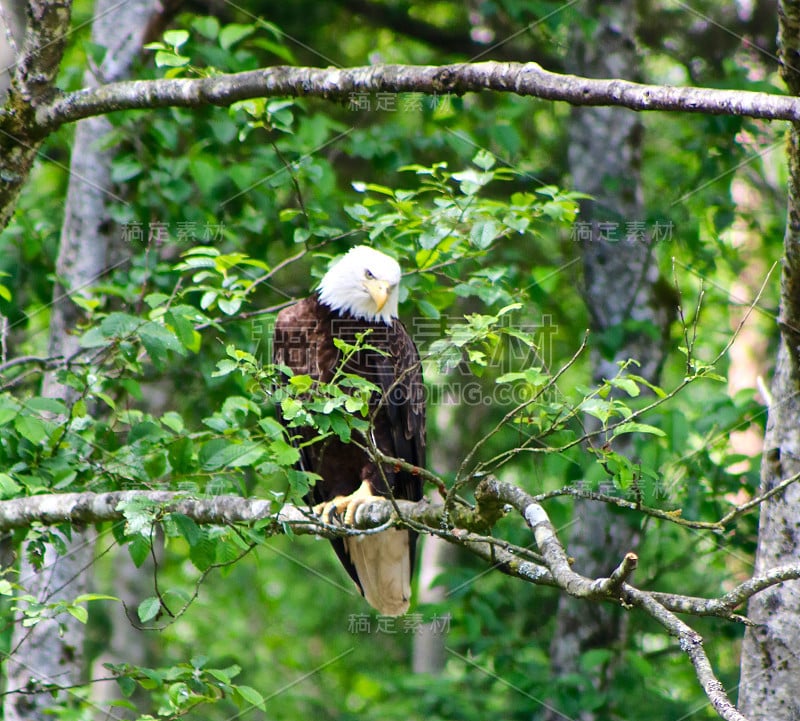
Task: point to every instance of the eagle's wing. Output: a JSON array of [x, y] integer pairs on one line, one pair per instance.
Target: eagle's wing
[[404, 398]]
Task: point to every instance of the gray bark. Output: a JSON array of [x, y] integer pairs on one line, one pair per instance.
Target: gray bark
[[620, 277], [770, 659], [37, 63], [554, 568], [33, 112], [12, 25], [525, 79], [52, 650]]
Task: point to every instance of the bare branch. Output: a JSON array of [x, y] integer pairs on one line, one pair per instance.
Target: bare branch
[[691, 643], [556, 559], [528, 79]]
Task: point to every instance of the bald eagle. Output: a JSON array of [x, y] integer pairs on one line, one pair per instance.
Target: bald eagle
[[360, 293]]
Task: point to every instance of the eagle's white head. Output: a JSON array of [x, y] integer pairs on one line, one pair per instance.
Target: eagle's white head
[[364, 283]]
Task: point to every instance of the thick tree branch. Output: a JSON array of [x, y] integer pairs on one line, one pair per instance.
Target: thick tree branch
[[691, 643], [88, 508], [492, 495], [527, 79], [557, 561], [464, 527]]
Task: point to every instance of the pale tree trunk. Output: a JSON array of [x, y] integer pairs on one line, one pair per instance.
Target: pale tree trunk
[[12, 23], [46, 653], [620, 282], [770, 657], [428, 653], [436, 555]]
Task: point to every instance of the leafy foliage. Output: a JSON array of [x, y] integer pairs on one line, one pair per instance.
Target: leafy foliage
[[223, 218]]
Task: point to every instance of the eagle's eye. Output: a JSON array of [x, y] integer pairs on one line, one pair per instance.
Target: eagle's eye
[[368, 274]]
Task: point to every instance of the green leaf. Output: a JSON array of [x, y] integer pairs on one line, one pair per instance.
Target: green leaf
[[251, 696], [156, 299], [290, 408], [234, 455], [127, 685], [146, 430], [184, 330], [301, 382], [229, 306], [173, 421], [31, 428], [187, 528], [534, 376], [148, 609], [233, 33], [600, 409], [7, 413], [224, 367], [119, 325], [276, 49], [168, 59], [356, 404], [93, 338], [203, 553], [300, 481], [470, 180], [8, 486], [180, 455], [283, 453], [140, 514], [207, 26], [48, 405], [484, 160], [125, 168], [226, 675], [483, 233], [594, 658], [85, 597], [176, 38], [628, 385], [340, 427], [78, 612], [157, 340], [632, 427]]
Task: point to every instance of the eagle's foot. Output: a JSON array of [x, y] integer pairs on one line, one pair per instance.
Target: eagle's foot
[[342, 509]]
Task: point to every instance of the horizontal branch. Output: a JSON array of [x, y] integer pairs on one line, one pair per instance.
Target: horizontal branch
[[88, 508], [528, 79]]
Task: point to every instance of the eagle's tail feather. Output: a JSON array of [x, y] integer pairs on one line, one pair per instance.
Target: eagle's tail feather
[[383, 564]]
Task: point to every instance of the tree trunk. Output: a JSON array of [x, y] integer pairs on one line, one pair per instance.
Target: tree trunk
[[52, 651], [12, 22], [620, 279], [770, 662], [437, 555]]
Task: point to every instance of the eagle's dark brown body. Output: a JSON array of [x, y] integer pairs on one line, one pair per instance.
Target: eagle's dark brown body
[[304, 335]]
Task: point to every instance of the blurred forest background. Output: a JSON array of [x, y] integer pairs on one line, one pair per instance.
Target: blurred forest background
[[702, 197]]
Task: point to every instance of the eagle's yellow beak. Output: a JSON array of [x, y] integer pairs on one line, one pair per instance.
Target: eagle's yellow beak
[[378, 291]]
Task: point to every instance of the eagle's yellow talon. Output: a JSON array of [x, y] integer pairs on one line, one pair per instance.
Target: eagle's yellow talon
[[343, 509]]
